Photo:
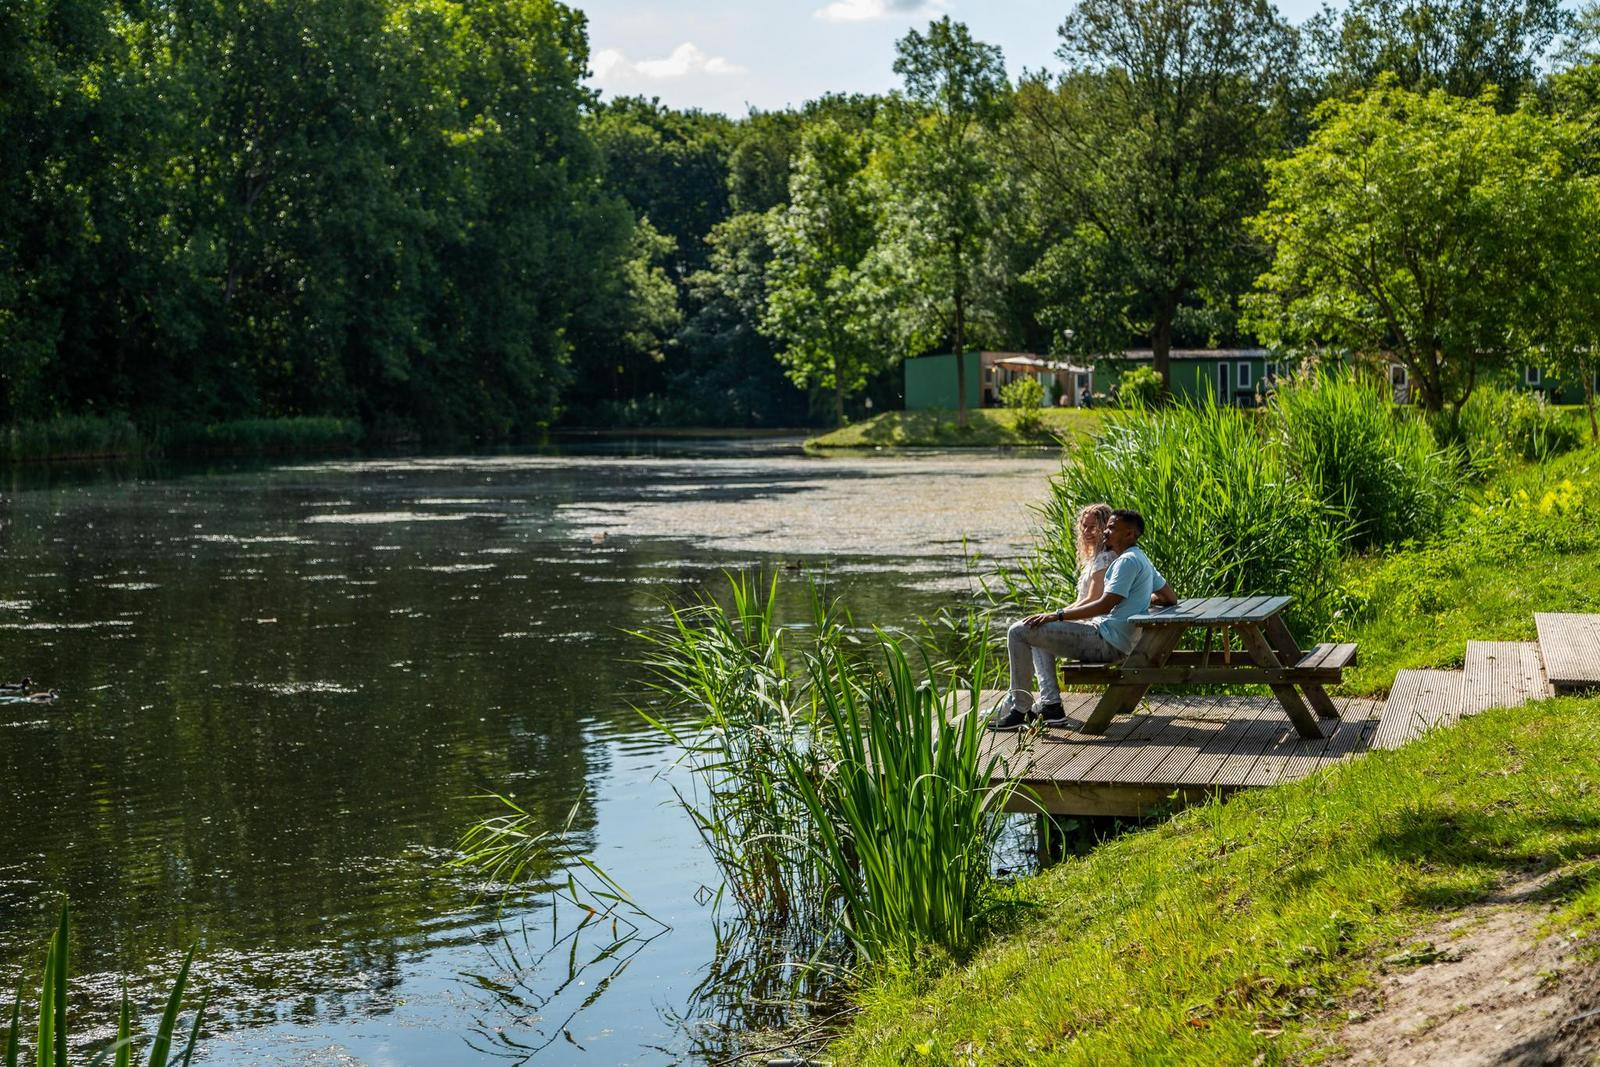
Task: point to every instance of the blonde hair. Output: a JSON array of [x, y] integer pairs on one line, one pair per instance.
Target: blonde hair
[[1092, 522]]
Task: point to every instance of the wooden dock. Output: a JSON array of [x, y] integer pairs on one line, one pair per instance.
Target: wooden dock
[[1178, 748]]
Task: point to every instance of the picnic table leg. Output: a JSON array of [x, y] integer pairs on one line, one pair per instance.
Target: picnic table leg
[[1261, 652], [1282, 640], [1155, 644]]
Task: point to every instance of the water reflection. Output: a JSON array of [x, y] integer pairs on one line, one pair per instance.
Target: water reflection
[[281, 686]]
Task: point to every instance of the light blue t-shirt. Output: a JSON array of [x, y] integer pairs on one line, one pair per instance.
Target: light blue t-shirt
[[1135, 578]]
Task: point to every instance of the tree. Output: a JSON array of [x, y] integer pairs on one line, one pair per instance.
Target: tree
[[1412, 226], [1148, 151], [1460, 46], [816, 300], [961, 85]]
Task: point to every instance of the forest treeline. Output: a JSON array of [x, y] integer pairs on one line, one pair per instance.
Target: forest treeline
[[415, 214]]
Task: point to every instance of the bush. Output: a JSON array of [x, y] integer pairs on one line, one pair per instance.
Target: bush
[[1497, 425], [1378, 468], [1025, 398], [1140, 387], [1224, 516]]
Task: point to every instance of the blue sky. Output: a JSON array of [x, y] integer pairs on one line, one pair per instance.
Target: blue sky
[[728, 56]]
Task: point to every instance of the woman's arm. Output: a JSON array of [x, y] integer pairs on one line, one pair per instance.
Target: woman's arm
[[1097, 585]]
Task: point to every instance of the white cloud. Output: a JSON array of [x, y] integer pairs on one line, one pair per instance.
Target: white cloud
[[611, 65], [863, 10]]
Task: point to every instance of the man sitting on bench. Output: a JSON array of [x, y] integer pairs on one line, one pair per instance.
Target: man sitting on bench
[[1094, 632]]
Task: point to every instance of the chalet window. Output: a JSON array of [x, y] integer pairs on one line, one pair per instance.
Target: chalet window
[[1531, 376], [1244, 375], [1397, 374]]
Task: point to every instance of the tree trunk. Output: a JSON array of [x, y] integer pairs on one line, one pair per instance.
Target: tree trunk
[[838, 391], [1161, 347], [960, 338], [1588, 401]]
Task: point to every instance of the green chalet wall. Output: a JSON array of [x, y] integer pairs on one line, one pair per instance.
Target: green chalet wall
[[1232, 374], [931, 382]]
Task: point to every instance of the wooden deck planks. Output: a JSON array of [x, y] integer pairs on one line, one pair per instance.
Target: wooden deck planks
[[1419, 701], [1502, 674], [1571, 648]]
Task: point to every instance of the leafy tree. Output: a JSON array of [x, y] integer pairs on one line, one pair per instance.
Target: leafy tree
[[1410, 226], [816, 284], [1146, 156], [1460, 46], [946, 171]]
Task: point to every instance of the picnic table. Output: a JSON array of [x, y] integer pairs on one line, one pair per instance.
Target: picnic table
[[1268, 656]]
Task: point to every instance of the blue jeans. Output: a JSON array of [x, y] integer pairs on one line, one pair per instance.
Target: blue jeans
[[1032, 651]]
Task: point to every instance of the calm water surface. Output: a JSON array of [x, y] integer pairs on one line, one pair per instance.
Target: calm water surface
[[283, 688]]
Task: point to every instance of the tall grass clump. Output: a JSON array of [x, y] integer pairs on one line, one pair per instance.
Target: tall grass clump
[[1497, 426], [836, 787], [906, 817], [1379, 469], [50, 1040], [742, 722], [262, 436], [1224, 514], [69, 437]]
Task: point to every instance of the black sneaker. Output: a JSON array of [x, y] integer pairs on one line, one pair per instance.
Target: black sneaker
[[1053, 713], [1011, 719]]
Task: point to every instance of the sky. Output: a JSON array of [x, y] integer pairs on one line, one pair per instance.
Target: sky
[[730, 56]]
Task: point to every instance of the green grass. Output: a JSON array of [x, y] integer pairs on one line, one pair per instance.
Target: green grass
[[1233, 933], [986, 428], [1531, 543]]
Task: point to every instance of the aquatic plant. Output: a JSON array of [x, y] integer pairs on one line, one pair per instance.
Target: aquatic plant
[[51, 1047], [905, 817], [1496, 426], [1378, 467], [730, 671]]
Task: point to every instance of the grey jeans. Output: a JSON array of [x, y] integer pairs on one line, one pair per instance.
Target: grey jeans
[[1032, 651]]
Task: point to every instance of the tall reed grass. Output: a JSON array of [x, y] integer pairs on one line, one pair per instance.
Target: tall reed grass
[[906, 818], [836, 786], [69, 437], [51, 1039], [1378, 468], [1224, 511]]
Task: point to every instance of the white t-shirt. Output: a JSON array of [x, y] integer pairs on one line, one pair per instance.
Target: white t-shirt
[[1102, 560]]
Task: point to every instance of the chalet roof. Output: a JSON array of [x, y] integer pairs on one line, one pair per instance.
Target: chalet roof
[[1145, 355]]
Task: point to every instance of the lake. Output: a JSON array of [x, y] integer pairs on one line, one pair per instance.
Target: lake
[[285, 691]]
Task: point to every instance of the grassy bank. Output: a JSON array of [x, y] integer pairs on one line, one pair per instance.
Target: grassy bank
[[986, 428], [115, 437], [1233, 933]]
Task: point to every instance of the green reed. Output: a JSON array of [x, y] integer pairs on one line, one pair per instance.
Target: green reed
[[905, 817], [1378, 467], [51, 1046], [1224, 511], [1497, 426]]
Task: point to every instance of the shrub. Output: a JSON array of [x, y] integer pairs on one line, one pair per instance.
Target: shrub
[[1497, 425], [1223, 513], [1378, 468], [1140, 387], [1024, 398]]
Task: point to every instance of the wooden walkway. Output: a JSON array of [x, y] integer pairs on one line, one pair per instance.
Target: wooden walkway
[[1178, 748]]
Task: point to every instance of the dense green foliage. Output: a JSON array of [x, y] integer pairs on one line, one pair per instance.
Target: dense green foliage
[[413, 214], [1379, 469], [1497, 425]]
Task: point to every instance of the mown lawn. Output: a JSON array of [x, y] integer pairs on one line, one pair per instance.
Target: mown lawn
[[986, 427], [1234, 932]]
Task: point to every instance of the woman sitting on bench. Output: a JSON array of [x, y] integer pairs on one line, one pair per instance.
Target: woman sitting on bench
[[1095, 629]]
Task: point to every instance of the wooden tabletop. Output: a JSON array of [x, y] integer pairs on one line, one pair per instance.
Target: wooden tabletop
[[1215, 611]]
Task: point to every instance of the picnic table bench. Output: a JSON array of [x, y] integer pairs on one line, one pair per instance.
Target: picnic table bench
[[1270, 657]]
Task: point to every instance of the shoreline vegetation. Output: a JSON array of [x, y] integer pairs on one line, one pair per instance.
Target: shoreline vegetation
[[83, 438], [986, 428]]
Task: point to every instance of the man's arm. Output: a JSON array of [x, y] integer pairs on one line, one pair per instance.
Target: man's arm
[[1090, 610], [1163, 597]]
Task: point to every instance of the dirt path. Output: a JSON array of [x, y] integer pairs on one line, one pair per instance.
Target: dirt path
[[1493, 992]]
